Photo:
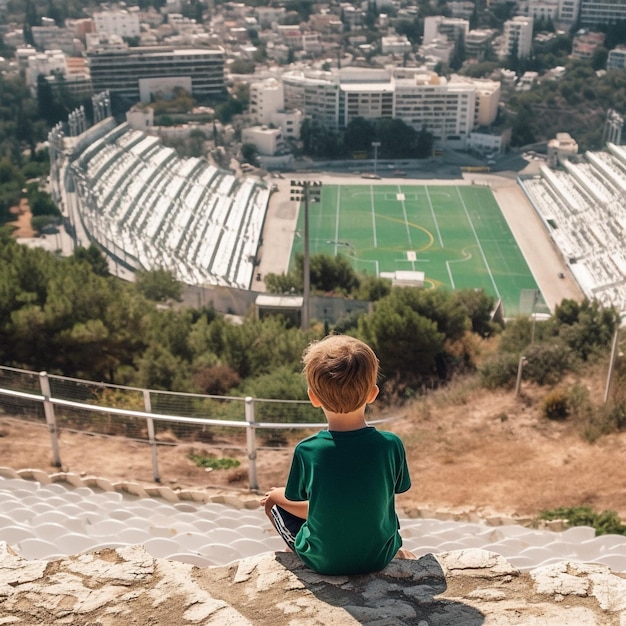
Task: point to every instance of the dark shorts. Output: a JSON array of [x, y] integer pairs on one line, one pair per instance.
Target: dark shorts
[[287, 525]]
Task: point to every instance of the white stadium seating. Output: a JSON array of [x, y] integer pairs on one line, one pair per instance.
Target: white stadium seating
[[584, 211], [164, 212], [208, 533]]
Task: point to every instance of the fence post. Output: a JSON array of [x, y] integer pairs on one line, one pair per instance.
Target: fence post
[[48, 409], [251, 441], [147, 404]]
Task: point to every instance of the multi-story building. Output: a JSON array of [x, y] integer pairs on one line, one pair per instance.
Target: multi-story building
[[602, 12], [461, 8], [121, 23], [585, 44], [49, 36], [517, 37], [477, 42], [617, 59], [568, 11], [450, 109], [266, 96], [544, 9], [122, 71], [45, 63], [395, 44], [452, 27], [315, 93]]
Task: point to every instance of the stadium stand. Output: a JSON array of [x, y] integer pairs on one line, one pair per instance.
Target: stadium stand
[[184, 215], [583, 209]]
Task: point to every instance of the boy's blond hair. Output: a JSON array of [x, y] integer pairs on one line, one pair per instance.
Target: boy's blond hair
[[341, 371]]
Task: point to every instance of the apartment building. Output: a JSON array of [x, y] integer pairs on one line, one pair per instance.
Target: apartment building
[[617, 59], [122, 71], [450, 109], [121, 23], [568, 11], [517, 37], [544, 9], [315, 93], [49, 36], [477, 42], [436, 26], [602, 12], [585, 44]]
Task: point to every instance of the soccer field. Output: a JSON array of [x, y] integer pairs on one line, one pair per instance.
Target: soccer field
[[456, 235]]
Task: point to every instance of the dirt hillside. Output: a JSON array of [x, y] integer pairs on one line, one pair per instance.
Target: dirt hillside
[[469, 450]]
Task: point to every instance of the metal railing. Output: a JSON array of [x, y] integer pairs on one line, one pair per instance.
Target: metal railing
[[143, 414]]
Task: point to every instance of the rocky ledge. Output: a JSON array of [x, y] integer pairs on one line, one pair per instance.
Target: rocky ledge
[[127, 586]]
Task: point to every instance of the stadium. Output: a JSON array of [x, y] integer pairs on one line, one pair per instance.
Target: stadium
[[529, 240]]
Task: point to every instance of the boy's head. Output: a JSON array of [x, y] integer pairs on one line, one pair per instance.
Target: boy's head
[[341, 372]]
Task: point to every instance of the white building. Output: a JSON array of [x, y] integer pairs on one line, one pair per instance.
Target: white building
[[450, 109], [517, 37], [121, 23], [544, 9], [562, 147], [268, 16], [396, 44], [45, 63], [617, 58], [266, 97], [437, 51], [452, 27], [477, 42], [461, 8], [51, 37], [268, 141], [568, 11], [267, 106]]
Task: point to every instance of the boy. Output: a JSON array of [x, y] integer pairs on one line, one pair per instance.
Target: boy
[[337, 511]]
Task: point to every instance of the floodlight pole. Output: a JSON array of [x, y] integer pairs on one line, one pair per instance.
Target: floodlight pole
[[375, 145], [306, 190]]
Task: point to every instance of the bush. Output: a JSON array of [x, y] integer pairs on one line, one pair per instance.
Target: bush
[[555, 405], [547, 362], [605, 523], [499, 371], [213, 462]]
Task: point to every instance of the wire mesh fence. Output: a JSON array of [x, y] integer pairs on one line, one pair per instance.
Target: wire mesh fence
[[156, 418]]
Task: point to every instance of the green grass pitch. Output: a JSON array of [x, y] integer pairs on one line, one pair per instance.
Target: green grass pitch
[[456, 235]]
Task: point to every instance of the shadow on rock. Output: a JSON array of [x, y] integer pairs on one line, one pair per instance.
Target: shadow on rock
[[403, 593]]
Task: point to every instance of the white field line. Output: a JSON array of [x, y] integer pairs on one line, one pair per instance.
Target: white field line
[[482, 252], [406, 219], [373, 217], [337, 209], [432, 212], [450, 274]]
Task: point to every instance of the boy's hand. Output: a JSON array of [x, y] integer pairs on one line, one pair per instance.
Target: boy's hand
[[266, 497]]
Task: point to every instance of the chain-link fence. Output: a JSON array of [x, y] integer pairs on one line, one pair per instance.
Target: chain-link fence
[[149, 416]]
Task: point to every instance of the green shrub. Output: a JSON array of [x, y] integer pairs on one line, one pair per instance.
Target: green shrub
[[213, 462], [605, 523], [499, 371], [555, 405], [546, 363]]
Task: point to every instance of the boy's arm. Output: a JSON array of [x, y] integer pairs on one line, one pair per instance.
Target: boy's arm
[[276, 495]]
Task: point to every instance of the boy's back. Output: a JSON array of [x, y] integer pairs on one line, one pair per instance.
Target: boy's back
[[337, 510], [349, 479]]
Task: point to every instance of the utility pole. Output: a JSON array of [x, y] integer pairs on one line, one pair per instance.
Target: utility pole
[[375, 145], [307, 191]]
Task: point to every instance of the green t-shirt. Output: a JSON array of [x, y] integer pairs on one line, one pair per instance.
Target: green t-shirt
[[349, 479]]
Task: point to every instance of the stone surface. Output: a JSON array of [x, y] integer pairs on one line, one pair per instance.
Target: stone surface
[[463, 588]]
